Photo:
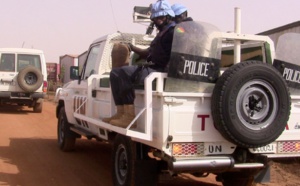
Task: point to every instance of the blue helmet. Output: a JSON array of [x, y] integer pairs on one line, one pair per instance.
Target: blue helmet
[[178, 9], [161, 8]]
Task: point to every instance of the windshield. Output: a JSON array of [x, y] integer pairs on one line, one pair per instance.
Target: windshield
[[89, 68], [195, 57]]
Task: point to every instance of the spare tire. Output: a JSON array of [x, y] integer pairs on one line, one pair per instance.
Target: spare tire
[[30, 79], [251, 104]]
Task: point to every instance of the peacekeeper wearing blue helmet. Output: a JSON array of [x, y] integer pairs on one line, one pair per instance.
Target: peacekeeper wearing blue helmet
[[123, 78], [180, 13]]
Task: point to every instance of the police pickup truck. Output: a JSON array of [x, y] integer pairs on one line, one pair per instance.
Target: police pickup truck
[[210, 114]]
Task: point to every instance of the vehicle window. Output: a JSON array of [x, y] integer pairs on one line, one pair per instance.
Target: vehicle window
[[249, 51], [7, 63], [25, 60], [91, 61]]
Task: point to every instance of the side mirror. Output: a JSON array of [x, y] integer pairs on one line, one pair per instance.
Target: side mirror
[[74, 70]]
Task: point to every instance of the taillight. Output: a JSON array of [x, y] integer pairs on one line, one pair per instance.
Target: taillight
[[45, 86], [187, 149], [289, 147]]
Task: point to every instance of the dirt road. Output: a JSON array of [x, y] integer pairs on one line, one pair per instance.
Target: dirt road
[[29, 155]]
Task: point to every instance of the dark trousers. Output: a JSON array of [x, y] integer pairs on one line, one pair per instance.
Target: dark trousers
[[122, 82]]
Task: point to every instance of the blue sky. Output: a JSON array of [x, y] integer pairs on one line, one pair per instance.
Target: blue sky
[[60, 27]]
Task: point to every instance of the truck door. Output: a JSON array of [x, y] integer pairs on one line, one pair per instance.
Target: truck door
[[82, 90], [7, 72]]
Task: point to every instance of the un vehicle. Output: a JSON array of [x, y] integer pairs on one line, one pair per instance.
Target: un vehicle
[[23, 77], [228, 105]]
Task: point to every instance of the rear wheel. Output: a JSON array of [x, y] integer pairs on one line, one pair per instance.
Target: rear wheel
[[65, 137], [38, 107], [131, 163], [123, 161], [237, 178]]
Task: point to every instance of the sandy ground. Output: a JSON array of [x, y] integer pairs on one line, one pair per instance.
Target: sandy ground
[[29, 156]]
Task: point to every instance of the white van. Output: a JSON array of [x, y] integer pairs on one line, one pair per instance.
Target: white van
[[23, 77]]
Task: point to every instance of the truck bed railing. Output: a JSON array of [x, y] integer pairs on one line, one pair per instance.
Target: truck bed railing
[[148, 132]]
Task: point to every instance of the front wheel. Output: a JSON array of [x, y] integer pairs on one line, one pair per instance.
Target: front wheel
[[65, 138]]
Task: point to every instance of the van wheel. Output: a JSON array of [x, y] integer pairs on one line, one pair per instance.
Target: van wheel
[[251, 104], [65, 137], [30, 79], [38, 107], [123, 157]]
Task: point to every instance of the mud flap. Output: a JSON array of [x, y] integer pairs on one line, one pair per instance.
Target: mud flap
[[263, 176], [146, 172]]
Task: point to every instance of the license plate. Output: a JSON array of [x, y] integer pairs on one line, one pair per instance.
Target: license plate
[[6, 83], [271, 148], [20, 94]]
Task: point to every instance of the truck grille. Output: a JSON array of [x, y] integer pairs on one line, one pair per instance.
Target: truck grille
[[79, 103], [187, 149]]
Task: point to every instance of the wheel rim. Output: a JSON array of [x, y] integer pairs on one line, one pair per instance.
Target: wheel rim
[[121, 164], [31, 78], [257, 104]]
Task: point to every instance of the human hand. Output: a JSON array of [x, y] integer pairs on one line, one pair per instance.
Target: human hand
[[130, 46]]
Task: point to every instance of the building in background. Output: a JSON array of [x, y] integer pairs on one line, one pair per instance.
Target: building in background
[[66, 62], [52, 71], [53, 80], [275, 33]]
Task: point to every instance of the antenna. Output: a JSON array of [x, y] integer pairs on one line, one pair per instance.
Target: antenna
[[112, 9]]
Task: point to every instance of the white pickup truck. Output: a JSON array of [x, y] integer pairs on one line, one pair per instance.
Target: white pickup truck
[[208, 114]]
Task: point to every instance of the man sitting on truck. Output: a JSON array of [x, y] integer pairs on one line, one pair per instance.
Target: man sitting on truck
[[122, 79], [180, 13]]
